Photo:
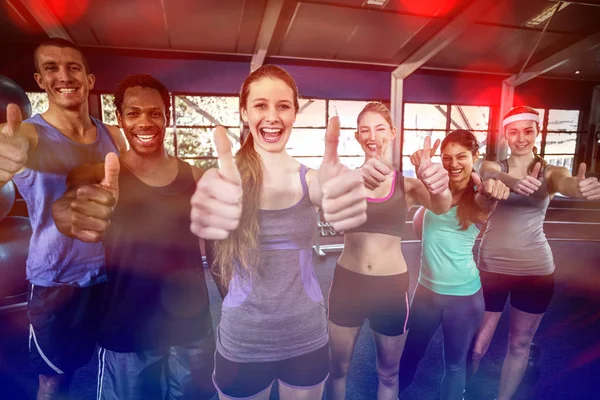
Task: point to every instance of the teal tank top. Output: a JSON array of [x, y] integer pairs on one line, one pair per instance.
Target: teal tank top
[[447, 264]]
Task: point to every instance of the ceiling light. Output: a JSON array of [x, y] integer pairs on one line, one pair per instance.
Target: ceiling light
[[376, 3], [545, 14], [576, 72]]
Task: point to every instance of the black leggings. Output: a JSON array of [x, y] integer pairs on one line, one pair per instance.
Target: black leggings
[[460, 317]]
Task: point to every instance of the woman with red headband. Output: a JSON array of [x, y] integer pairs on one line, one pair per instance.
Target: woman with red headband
[[515, 257]]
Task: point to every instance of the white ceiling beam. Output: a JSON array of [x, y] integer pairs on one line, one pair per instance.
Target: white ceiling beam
[[42, 14], [267, 27], [557, 59], [444, 37]]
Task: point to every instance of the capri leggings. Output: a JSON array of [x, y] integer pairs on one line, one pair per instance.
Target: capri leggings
[[460, 316]]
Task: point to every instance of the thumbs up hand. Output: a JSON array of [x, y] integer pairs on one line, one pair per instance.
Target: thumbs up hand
[[13, 151], [343, 191], [491, 189], [93, 205], [217, 201], [530, 184], [588, 188], [374, 172], [433, 175]]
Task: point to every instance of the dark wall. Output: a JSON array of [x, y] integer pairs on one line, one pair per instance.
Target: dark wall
[[185, 73]]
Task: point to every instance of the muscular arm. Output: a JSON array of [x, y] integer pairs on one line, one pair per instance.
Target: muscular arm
[[561, 181], [416, 192]]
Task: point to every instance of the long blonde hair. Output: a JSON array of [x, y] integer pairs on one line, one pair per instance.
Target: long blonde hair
[[242, 244]]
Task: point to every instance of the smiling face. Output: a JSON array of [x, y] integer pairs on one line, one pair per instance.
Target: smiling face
[[458, 161], [143, 120], [520, 136], [374, 134], [62, 75], [270, 113]]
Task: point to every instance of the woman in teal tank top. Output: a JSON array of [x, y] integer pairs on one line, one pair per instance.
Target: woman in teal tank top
[[449, 290]]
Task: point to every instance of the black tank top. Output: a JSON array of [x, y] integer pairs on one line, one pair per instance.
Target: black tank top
[[386, 215], [156, 294]]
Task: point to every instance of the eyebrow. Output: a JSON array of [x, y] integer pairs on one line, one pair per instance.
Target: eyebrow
[[263, 99]]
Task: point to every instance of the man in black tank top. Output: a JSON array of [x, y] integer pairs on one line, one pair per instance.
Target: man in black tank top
[[157, 326]]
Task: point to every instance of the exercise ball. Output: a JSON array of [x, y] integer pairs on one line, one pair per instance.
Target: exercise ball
[[15, 233], [10, 92], [417, 222], [7, 198]]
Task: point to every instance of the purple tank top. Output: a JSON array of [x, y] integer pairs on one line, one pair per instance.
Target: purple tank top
[[278, 313], [55, 259]]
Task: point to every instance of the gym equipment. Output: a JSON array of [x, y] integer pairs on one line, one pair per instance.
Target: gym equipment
[[7, 199], [10, 92], [15, 233], [417, 222]]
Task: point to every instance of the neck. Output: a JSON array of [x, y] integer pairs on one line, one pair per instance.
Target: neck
[[70, 121], [458, 187], [521, 161], [145, 164], [272, 159]]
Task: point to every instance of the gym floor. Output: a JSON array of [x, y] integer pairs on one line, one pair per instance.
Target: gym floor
[[570, 351]]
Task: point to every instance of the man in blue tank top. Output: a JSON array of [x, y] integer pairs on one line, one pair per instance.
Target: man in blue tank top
[[157, 336], [66, 275]]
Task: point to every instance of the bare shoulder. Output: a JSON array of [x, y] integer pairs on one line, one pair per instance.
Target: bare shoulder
[[490, 166], [197, 173], [118, 138]]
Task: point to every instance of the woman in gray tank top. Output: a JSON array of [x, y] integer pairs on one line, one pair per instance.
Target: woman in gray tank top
[[515, 257], [273, 323]]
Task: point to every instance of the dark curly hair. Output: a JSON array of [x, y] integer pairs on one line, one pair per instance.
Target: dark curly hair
[[145, 81]]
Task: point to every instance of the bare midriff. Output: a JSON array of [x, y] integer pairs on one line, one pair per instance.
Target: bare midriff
[[373, 254]]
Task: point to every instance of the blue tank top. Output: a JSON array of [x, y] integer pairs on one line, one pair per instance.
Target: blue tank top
[[277, 313], [55, 259]]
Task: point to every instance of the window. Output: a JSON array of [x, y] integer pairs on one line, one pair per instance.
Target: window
[[39, 102], [561, 138], [436, 121]]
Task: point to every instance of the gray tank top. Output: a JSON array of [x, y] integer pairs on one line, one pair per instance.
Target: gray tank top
[[514, 242], [277, 313]]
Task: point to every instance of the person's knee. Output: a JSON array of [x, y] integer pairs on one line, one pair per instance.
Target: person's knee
[[518, 346], [53, 384], [339, 368], [388, 376]]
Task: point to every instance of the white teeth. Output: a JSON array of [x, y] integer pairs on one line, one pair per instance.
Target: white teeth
[[145, 138], [271, 130], [67, 90]]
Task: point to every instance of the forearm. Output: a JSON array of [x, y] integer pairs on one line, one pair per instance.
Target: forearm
[[567, 186], [503, 177], [486, 204], [441, 203], [214, 269]]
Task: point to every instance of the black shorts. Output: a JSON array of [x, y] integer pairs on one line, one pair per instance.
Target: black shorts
[[528, 293], [240, 380], [383, 300], [63, 327]]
